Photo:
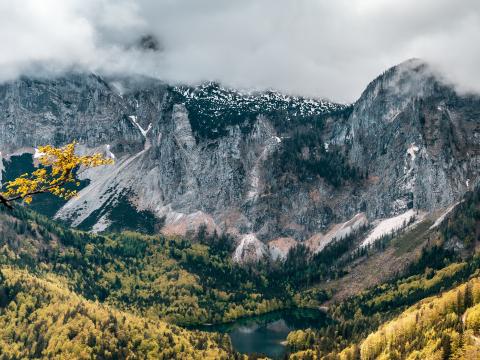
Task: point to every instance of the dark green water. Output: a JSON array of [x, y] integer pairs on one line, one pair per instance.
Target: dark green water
[[264, 334]]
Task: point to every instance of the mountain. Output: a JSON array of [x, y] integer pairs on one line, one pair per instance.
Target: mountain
[[369, 210], [271, 170], [180, 168]]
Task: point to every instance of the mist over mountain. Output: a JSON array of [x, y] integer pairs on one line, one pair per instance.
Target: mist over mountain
[[316, 49], [239, 180]]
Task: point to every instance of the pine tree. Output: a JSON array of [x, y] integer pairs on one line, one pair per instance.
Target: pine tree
[[468, 298], [459, 303]]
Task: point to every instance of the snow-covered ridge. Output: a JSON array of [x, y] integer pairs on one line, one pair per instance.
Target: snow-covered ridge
[[220, 97]]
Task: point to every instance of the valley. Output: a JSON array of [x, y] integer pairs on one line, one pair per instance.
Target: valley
[[239, 180], [195, 282], [238, 225]]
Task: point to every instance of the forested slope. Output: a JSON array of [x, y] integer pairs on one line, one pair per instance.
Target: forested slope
[[429, 312], [41, 319], [443, 327], [55, 279], [177, 280]]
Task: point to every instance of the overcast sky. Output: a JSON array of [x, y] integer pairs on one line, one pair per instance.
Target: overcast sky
[[328, 49]]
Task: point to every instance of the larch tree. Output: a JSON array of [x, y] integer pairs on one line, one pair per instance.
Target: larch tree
[[58, 168]]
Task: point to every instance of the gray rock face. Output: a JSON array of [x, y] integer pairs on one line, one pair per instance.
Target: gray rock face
[[417, 138], [263, 164]]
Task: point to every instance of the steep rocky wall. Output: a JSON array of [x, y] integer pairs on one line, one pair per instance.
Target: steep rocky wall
[[409, 141]]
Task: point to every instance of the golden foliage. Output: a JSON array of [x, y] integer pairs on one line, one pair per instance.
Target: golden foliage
[[300, 339], [435, 328], [57, 169], [157, 276], [40, 318], [444, 326]]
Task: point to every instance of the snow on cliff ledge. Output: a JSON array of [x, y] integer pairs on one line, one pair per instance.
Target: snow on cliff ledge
[[388, 226], [318, 241], [443, 215]]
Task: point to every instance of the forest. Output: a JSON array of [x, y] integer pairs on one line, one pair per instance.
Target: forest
[[42, 319], [429, 312], [182, 281], [66, 292], [193, 281]]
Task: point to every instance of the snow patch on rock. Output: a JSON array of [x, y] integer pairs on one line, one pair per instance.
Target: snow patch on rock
[[142, 130], [443, 215], [388, 226], [37, 154], [101, 225], [412, 151], [110, 154], [317, 242]]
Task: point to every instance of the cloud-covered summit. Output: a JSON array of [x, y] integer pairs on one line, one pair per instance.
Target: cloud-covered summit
[[318, 48]]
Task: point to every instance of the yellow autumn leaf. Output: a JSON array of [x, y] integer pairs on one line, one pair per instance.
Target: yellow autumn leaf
[[59, 166]]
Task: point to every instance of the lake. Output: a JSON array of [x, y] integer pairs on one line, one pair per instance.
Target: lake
[[264, 334]]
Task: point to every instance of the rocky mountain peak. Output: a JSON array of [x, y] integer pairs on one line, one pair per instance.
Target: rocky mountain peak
[[259, 163]]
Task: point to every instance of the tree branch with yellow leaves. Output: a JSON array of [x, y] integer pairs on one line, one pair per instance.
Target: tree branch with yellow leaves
[[57, 170]]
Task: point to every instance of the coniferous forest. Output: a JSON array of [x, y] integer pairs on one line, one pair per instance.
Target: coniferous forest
[[112, 295]]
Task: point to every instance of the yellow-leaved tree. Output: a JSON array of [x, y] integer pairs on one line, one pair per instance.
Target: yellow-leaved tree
[[58, 169]]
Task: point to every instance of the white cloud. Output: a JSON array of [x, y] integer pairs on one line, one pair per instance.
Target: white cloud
[[320, 48]]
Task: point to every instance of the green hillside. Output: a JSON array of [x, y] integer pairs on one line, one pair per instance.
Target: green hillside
[[42, 319], [173, 279], [66, 291]]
